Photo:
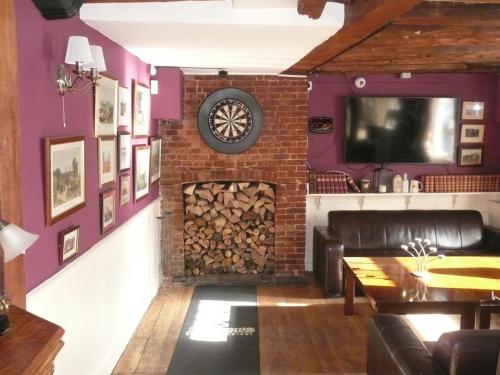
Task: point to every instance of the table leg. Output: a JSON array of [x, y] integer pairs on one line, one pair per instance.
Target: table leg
[[467, 318], [483, 316], [349, 292]]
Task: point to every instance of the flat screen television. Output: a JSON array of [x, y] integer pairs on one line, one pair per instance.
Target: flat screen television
[[401, 130]]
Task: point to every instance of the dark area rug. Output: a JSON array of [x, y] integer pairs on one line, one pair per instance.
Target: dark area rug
[[220, 335]]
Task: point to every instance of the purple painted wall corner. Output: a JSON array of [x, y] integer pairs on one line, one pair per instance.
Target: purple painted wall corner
[[167, 105]]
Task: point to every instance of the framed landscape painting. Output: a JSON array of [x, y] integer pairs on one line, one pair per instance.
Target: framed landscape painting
[[473, 110], [124, 106], [141, 109], [470, 156], [141, 171], [64, 177], [107, 160], [68, 244], [124, 150], [107, 210], [105, 107], [472, 133], [124, 189], [155, 159]]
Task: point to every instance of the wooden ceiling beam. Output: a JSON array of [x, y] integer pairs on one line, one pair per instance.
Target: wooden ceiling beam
[[311, 8], [452, 14], [363, 21]]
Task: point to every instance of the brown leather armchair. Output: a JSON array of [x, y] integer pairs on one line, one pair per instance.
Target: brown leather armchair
[[393, 348], [381, 233]]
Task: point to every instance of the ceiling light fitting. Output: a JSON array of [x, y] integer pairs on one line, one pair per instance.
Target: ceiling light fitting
[[88, 61], [222, 73]]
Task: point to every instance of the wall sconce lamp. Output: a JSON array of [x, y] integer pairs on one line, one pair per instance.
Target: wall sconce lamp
[[88, 61], [14, 241]]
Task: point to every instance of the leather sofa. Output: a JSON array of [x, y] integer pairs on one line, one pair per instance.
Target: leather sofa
[[393, 348], [381, 233]]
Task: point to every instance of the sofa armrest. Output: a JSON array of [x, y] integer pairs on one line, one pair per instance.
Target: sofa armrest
[[492, 238], [393, 348], [468, 351], [327, 261]]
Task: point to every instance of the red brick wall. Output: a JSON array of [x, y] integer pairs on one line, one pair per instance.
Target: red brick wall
[[279, 156]]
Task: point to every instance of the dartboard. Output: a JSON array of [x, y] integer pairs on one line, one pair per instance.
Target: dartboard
[[230, 120]]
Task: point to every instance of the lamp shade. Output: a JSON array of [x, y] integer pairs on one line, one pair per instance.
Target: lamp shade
[[97, 55], [14, 240], [78, 50]]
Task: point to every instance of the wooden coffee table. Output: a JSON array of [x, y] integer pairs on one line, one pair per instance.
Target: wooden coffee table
[[456, 285]]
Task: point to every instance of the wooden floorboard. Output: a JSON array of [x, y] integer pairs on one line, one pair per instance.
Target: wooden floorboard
[[300, 332]]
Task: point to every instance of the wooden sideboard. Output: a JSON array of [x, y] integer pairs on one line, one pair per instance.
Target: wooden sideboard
[[30, 345]]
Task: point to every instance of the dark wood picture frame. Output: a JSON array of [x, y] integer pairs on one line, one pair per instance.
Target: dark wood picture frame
[[469, 160], [141, 172], [121, 165], [140, 109], [51, 144], [154, 158], [106, 223], [65, 258]]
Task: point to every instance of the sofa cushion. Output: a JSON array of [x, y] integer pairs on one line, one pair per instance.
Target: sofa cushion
[[376, 230]]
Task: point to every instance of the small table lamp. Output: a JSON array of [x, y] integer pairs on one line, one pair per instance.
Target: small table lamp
[[14, 242]]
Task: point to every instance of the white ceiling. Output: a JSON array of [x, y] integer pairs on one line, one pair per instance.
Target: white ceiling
[[241, 36]]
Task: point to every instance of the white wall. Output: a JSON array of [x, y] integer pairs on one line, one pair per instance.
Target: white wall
[[101, 296], [318, 205]]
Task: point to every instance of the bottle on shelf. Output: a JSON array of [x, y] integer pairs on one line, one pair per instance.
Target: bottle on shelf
[[406, 184], [397, 184]]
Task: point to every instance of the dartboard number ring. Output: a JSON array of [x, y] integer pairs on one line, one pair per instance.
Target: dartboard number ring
[[230, 120]]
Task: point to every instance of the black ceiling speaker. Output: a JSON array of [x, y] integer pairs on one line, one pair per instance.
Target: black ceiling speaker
[[55, 9]]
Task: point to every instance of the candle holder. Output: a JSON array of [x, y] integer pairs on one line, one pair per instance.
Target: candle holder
[[420, 251]]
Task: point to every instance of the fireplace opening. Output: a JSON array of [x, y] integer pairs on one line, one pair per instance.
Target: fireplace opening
[[229, 227]]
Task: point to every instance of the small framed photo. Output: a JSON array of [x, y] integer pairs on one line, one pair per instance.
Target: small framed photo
[[68, 243], [141, 109], [124, 150], [473, 110], [141, 171], [155, 162], [64, 177], [471, 156], [124, 106], [124, 189], [105, 107], [472, 133], [107, 160], [107, 210]]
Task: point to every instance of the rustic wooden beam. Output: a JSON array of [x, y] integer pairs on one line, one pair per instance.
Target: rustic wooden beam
[[311, 8], [359, 27], [10, 164], [452, 14]]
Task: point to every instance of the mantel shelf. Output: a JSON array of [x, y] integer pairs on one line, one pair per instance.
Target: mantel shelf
[[399, 194]]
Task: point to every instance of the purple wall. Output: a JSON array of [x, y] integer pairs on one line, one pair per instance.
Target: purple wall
[[42, 47], [327, 98], [167, 105]]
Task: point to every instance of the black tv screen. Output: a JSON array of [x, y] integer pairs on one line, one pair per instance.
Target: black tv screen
[[400, 130]]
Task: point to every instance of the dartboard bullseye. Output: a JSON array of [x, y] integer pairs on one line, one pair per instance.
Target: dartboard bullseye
[[230, 120]]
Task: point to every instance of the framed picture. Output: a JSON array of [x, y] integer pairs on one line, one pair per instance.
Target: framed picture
[[124, 189], [107, 160], [107, 210], [470, 156], [124, 106], [473, 110], [472, 133], [68, 243], [64, 177], [105, 107], [124, 150], [154, 173], [141, 108], [141, 171]]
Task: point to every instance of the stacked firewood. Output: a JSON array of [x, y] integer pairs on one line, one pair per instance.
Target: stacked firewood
[[228, 227]]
